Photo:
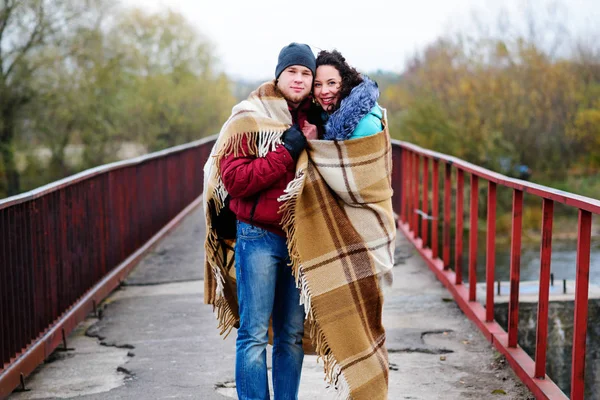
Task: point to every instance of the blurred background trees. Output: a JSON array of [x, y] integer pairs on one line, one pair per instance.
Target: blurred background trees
[[509, 100], [85, 82]]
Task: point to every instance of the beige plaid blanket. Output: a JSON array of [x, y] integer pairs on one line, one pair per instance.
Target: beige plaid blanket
[[338, 218]]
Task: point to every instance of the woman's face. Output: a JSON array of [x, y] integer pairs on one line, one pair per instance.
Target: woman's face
[[326, 87]]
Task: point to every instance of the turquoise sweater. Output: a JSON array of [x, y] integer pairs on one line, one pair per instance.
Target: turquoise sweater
[[370, 124]]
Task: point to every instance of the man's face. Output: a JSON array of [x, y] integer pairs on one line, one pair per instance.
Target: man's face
[[295, 83]]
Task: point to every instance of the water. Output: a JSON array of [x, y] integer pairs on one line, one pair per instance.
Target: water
[[560, 339], [563, 262]]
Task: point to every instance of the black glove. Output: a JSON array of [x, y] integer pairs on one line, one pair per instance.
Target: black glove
[[294, 141]]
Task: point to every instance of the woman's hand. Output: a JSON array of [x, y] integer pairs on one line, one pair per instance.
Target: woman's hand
[[310, 131]]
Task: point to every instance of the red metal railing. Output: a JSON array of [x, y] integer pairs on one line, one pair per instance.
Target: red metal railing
[[65, 246], [411, 170]]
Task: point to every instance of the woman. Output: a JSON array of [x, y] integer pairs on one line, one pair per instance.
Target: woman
[[340, 224], [346, 102]]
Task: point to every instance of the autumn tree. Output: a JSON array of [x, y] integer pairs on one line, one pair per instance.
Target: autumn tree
[[117, 77], [177, 94], [75, 91], [495, 102], [26, 28], [586, 126]]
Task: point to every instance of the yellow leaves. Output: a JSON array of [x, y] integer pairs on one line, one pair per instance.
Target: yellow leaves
[[487, 99], [586, 127], [395, 98], [501, 50], [465, 87]]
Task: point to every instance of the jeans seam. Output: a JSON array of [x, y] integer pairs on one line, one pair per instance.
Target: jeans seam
[[261, 233], [253, 237]]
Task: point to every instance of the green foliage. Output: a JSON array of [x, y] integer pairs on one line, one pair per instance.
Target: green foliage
[[99, 78], [170, 93], [581, 183], [33, 33]]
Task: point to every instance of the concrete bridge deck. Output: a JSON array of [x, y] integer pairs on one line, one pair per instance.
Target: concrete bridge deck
[[157, 340]]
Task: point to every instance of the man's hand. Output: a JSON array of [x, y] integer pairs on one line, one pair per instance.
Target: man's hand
[[294, 141], [310, 131]]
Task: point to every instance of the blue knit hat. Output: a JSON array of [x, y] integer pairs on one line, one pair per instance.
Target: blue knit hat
[[295, 54]]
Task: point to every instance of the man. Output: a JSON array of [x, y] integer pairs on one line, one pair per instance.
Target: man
[[254, 162]]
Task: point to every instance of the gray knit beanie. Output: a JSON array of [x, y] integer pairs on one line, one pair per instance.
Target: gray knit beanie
[[295, 54]]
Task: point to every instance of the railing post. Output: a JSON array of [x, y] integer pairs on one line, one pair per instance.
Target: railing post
[[415, 194], [4, 287], [474, 203], [447, 194], [403, 184], [425, 202], [12, 285], [544, 289], [408, 192], [490, 262], [458, 239], [435, 209], [24, 272], [515, 268], [584, 233]]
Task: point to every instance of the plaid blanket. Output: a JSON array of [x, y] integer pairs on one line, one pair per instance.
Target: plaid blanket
[[338, 219], [341, 234]]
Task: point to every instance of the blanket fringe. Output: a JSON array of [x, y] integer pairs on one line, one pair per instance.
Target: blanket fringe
[[233, 144], [333, 371], [220, 196], [343, 389], [288, 219], [268, 142], [259, 144], [304, 297], [225, 316], [213, 245]]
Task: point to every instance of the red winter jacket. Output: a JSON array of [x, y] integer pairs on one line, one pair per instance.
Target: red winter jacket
[[255, 183]]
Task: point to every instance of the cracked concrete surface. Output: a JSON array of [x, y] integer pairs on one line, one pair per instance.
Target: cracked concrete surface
[[161, 342], [414, 342], [88, 369]]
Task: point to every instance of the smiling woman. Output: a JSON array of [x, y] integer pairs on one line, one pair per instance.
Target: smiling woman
[[346, 101], [327, 87]]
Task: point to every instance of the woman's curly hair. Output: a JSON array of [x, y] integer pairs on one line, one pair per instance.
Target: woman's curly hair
[[350, 76]]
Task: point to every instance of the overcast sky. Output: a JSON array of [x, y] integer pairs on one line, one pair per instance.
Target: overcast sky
[[248, 34]]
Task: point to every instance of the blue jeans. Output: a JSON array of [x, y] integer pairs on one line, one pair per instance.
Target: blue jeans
[[265, 288]]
